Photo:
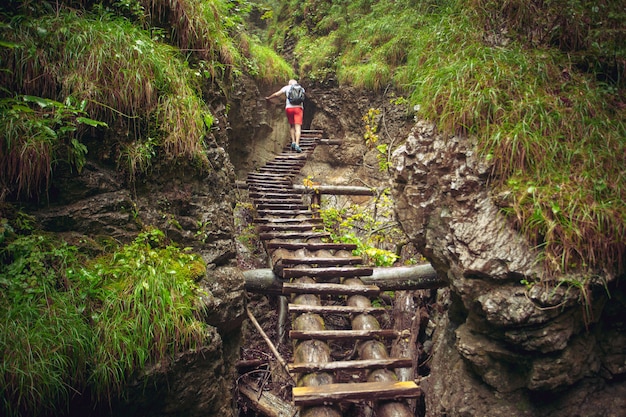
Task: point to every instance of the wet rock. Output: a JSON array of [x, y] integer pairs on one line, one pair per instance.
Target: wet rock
[[505, 344]]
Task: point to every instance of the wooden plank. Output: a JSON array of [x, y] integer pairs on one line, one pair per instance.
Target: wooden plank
[[286, 227], [273, 220], [279, 170], [353, 365], [335, 393], [287, 235], [273, 194], [282, 206], [277, 212], [330, 261], [301, 308], [312, 246], [279, 200], [329, 272], [342, 334], [330, 289], [331, 141], [268, 175], [334, 189]]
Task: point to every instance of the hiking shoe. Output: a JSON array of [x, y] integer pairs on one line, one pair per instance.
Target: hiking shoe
[[293, 146], [297, 148]]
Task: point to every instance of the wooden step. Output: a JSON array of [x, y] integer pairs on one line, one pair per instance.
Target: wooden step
[[285, 163], [284, 199], [330, 289], [330, 261], [303, 308], [342, 334], [268, 175], [271, 188], [290, 170], [290, 157], [281, 206], [328, 272], [288, 227], [338, 393], [279, 212], [273, 220], [274, 194], [294, 235], [360, 364], [312, 246]]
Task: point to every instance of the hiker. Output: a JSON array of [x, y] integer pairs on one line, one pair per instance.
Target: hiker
[[294, 109]]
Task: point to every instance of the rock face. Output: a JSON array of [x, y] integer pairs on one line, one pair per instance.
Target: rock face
[[502, 348], [194, 209]]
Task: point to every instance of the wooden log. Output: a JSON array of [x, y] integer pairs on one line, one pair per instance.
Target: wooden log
[[329, 272], [279, 212], [332, 261], [351, 365], [265, 402], [271, 220], [419, 277], [294, 235], [312, 246], [331, 141], [333, 393], [284, 203], [329, 289], [295, 308], [342, 334], [287, 227], [319, 189], [334, 189]]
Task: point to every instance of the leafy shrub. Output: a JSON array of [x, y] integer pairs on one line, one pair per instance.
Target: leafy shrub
[[67, 325]]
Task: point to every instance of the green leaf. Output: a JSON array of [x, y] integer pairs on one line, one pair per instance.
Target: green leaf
[[91, 122]]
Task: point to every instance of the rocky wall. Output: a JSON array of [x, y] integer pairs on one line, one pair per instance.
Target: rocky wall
[[502, 348], [195, 209]]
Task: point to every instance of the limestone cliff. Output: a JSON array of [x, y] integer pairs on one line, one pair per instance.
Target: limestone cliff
[[503, 348]]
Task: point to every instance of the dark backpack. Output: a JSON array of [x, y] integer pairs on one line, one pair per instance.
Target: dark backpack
[[295, 95]]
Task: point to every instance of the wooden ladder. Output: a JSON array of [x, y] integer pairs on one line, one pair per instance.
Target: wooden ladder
[[318, 275]]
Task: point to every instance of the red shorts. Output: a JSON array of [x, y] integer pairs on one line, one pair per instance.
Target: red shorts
[[294, 115]]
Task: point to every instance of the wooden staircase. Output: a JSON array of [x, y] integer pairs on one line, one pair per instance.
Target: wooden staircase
[[322, 278]]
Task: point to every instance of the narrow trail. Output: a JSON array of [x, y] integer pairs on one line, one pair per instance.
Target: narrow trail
[[323, 279]]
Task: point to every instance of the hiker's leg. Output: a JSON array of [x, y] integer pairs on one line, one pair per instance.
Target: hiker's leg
[[297, 120], [298, 132], [293, 133], [292, 129]]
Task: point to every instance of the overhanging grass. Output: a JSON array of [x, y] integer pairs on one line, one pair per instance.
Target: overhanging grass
[[554, 135], [551, 136], [66, 327], [129, 81]]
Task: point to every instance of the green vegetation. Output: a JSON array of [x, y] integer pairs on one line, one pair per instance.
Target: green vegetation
[[540, 84], [374, 229], [143, 75], [68, 323]]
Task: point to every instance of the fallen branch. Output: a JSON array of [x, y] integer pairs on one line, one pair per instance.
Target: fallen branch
[[278, 356]]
